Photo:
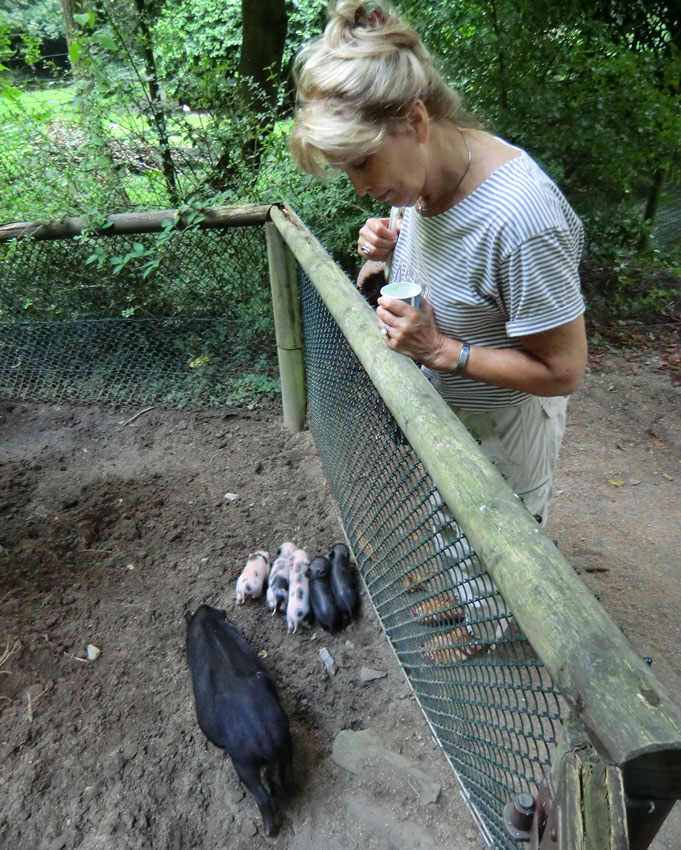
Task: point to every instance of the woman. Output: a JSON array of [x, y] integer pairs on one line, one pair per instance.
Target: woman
[[489, 237]]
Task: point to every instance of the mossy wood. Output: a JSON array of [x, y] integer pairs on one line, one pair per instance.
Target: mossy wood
[[569, 799], [137, 222], [631, 719], [288, 328]]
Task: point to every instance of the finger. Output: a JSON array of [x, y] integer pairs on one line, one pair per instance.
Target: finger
[[393, 306], [375, 232], [377, 225], [386, 316], [369, 251], [387, 333]]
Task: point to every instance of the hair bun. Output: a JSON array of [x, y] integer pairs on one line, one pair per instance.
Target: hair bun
[[369, 15], [357, 80]]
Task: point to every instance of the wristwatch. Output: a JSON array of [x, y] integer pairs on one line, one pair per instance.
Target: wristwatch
[[463, 359]]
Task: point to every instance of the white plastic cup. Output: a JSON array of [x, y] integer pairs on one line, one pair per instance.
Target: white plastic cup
[[405, 290]]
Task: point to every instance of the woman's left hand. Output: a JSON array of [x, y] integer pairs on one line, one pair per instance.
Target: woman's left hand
[[410, 331], [549, 363]]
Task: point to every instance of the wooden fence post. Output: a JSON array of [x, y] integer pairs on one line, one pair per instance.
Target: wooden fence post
[[288, 328]]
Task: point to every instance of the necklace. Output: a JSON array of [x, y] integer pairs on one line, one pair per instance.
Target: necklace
[[419, 206]]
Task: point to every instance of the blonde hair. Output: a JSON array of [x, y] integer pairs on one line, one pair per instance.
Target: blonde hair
[[356, 82]]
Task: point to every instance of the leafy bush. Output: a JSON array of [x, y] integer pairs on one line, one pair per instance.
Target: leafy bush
[[599, 112], [41, 19], [597, 107]]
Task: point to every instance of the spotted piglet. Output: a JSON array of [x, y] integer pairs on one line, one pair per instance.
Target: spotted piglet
[[277, 591], [298, 607], [253, 577]]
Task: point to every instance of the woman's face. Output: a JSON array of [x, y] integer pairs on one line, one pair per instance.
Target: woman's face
[[394, 174]]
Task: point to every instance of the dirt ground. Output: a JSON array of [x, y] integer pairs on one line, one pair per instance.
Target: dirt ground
[[114, 527]]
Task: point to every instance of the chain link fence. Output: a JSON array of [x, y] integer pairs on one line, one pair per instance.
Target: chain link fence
[[497, 715], [168, 317], [196, 305]]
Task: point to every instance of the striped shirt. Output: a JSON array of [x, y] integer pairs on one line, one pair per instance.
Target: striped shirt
[[500, 264]]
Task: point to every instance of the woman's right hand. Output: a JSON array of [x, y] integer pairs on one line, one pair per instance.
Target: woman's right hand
[[375, 240]]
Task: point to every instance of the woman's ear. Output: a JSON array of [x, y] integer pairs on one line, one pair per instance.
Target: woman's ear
[[419, 120]]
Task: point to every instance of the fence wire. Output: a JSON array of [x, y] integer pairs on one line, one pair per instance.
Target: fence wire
[[195, 272], [174, 361], [190, 323], [495, 715]]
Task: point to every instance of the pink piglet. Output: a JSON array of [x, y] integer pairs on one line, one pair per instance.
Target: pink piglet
[[253, 576]]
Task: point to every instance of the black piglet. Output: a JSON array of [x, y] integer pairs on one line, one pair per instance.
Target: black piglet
[[343, 585], [324, 608]]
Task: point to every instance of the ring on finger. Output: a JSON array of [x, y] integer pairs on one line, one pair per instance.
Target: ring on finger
[[385, 330], [366, 250]]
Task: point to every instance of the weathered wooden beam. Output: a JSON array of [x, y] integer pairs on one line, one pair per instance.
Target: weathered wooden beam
[[136, 222], [628, 713], [605, 818], [288, 328], [582, 807], [568, 801]]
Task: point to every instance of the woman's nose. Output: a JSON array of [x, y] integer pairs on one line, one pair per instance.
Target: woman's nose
[[358, 184]]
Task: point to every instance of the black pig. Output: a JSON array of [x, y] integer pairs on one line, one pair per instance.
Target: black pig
[[238, 709], [325, 610], [342, 580]]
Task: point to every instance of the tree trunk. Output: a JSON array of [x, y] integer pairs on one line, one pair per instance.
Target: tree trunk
[[651, 208], [262, 44], [72, 29]]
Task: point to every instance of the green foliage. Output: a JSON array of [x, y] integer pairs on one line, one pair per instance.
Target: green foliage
[[593, 96], [207, 50], [250, 389], [35, 18], [599, 110]]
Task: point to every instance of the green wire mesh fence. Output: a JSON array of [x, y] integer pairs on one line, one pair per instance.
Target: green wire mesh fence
[[180, 272], [179, 332], [496, 715], [174, 361]]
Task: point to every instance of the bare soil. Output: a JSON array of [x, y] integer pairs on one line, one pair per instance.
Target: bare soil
[[113, 529]]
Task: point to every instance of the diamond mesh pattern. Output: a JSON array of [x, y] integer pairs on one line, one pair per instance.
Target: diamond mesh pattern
[[188, 341], [497, 714]]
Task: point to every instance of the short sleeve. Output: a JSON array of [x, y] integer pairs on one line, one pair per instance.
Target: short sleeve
[[539, 283]]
